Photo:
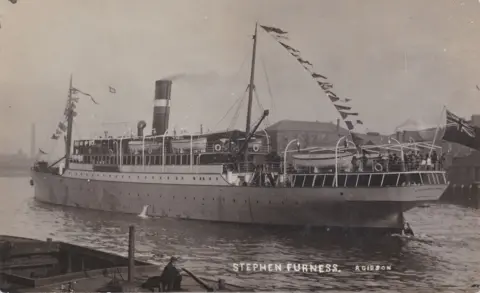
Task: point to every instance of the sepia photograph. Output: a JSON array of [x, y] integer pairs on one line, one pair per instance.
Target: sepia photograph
[[239, 146]]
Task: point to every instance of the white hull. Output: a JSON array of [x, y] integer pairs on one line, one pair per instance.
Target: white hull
[[208, 196]]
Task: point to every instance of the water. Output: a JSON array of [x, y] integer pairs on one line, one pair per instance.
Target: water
[[442, 257]]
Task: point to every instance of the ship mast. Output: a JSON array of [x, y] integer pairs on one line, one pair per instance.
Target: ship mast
[[68, 141], [251, 88]]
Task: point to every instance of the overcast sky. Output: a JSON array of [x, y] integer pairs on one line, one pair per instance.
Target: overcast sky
[[395, 59]]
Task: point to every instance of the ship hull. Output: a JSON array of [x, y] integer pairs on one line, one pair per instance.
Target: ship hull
[[313, 207]]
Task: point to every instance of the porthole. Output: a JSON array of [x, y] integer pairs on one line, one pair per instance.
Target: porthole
[[209, 178], [193, 178]]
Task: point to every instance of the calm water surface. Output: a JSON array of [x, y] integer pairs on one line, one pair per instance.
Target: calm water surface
[[443, 257]]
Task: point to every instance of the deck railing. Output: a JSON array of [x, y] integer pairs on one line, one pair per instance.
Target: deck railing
[[394, 179]]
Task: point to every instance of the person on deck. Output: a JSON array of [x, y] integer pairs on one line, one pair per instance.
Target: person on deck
[[423, 164], [354, 164], [435, 160], [441, 161], [429, 162], [364, 161]]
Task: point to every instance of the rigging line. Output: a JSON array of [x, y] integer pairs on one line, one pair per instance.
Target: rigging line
[[242, 65], [237, 113], [235, 77], [261, 107], [235, 116], [264, 67], [245, 58], [240, 97]]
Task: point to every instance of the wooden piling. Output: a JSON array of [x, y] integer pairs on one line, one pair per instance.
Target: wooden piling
[[131, 253]]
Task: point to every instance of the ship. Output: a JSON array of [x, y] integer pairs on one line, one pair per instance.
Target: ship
[[233, 176]]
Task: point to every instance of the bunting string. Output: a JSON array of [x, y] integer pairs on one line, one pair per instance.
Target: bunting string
[[71, 106], [280, 36]]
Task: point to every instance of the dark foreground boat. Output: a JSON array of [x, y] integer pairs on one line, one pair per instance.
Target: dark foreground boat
[[29, 265]]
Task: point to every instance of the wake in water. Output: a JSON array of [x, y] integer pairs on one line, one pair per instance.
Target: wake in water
[[423, 238], [143, 214]]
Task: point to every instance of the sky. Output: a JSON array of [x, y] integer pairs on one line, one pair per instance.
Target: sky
[[396, 60]]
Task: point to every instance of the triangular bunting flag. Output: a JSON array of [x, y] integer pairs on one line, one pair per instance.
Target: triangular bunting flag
[[340, 107], [316, 75], [349, 124], [345, 114]]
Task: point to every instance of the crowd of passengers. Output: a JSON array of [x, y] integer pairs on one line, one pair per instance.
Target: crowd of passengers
[[412, 161]]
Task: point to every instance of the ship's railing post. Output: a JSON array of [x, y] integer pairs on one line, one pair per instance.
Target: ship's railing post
[[198, 162], [163, 150], [191, 152], [268, 140], [336, 160], [120, 155], [285, 159], [143, 152]]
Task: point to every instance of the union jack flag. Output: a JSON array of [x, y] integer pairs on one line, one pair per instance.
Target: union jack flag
[[461, 124]]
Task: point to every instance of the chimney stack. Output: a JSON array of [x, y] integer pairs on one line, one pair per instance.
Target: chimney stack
[[338, 126], [161, 110]]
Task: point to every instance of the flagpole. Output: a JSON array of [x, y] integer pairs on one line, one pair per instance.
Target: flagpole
[[436, 130]]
